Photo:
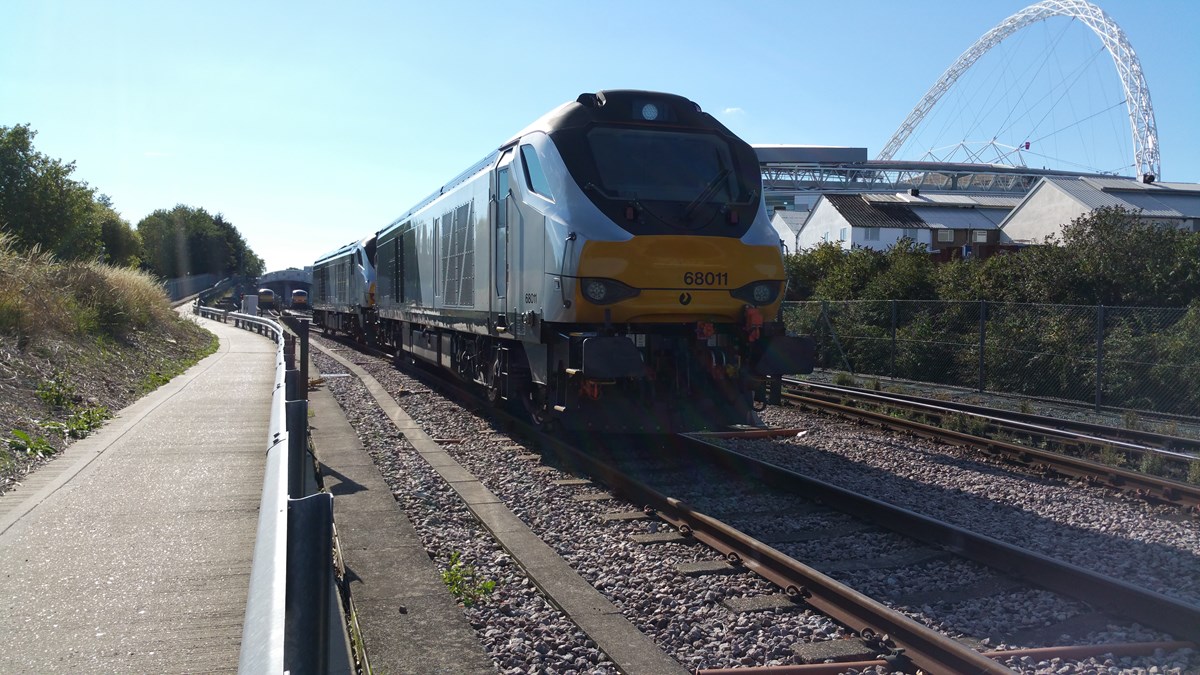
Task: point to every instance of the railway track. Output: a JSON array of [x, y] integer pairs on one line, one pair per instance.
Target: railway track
[[1049, 446], [782, 518], [893, 637]]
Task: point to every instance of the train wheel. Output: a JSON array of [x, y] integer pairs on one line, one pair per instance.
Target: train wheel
[[493, 383], [534, 400]]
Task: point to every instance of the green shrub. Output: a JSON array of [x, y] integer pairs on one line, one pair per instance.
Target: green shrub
[[1152, 463], [82, 422], [463, 584], [844, 379], [56, 393], [35, 446], [1111, 456]]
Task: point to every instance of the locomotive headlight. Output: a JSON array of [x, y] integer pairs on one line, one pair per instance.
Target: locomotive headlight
[[650, 112], [595, 290], [762, 293], [757, 292], [605, 291]]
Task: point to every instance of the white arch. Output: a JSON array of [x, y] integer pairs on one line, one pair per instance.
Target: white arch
[[1137, 95]]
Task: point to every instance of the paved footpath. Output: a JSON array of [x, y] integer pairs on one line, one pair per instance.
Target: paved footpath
[[131, 552]]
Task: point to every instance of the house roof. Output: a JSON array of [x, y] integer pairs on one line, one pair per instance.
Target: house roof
[[1154, 200], [792, 219], [961, 219], [903, 210], [859, 212]]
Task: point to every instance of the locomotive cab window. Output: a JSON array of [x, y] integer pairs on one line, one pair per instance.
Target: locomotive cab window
[[665, 165], [535, 178]]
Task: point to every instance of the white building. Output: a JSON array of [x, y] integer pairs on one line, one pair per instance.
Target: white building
[[1056, 201], [949, 225]]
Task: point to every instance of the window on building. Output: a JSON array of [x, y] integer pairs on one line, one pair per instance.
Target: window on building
[[872, 234], [911, 233], [979, 236], [945, 235], [842, 234]]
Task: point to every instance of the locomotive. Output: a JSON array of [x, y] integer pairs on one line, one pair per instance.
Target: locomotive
[[611, 267], [266, 299]]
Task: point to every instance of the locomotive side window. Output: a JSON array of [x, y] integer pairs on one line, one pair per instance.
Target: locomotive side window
[[535, 178]]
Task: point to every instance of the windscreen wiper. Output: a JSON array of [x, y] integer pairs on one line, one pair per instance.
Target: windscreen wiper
[[706, 192]]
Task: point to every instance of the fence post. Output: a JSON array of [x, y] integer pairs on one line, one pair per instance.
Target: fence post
[[1099, 356], [309, 577], [299, 462], [982, 341], [893, 365]]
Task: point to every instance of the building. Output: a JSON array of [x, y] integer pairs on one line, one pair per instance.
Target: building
[[788, 223], [949, 225], [1057, 200]]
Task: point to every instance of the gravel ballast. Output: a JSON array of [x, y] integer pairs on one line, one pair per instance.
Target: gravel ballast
[[684, 614]]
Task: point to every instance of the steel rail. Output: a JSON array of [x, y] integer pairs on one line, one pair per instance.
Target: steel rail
[[1139, 484], [1039, 653], [1130, 439], [926, 648], [1097, 590]]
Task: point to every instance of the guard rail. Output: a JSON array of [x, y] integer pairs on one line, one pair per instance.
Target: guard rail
[[293, 623]]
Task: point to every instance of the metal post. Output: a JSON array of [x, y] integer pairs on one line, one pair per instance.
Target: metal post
[[297, 429], [982, 340], [300, 328], [1099, 356], [302, 333], [309, 576], [893, 368], [291, 382], [289, 351]]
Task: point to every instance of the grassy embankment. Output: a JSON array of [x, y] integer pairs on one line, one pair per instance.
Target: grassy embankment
[[79, 341]]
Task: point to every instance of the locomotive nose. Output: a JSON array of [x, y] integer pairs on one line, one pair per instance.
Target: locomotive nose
[[676, 279]]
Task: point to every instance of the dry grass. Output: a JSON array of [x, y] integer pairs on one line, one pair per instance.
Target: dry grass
[[96, 337], [40, 297]]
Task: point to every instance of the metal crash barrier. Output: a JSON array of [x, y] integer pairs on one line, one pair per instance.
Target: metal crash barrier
[[294, 622]]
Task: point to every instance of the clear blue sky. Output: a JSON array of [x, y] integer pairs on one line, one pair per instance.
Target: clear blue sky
[[311, 124]]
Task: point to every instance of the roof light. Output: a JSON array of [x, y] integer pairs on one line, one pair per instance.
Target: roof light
[[650, 112]]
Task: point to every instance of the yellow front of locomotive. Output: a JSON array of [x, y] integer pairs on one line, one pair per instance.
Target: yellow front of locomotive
[[677, 279]]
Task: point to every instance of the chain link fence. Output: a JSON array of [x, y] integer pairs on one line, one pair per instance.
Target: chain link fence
[[1123, 357]]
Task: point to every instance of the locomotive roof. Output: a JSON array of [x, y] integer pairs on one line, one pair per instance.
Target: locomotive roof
[[615, 105], [610, 105], [343, 250]]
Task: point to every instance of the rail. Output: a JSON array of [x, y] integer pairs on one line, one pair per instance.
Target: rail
[[293, 621]]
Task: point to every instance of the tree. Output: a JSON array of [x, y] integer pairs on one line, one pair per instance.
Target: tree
[[805, 268], [40, 205], [906, 274], [188, 241], [122, 244], [1123, 259]]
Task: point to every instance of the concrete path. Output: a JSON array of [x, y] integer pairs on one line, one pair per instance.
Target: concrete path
[[131, 552]]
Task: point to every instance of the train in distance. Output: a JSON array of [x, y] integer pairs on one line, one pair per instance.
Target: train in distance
[[611, 267], [266, 299]]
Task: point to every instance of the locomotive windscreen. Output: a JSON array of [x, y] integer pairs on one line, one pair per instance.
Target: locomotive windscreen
[[664, 179], [657, 165]]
